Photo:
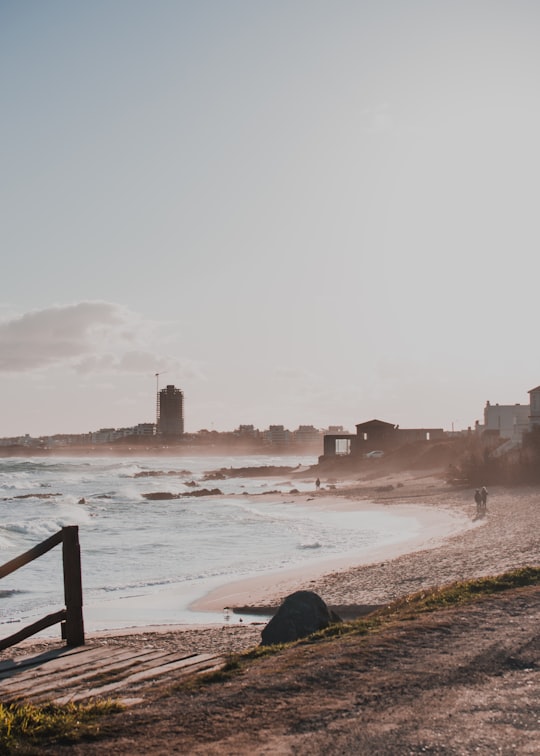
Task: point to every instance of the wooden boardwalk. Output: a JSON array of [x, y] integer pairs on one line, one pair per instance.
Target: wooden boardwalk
[[89, 672]]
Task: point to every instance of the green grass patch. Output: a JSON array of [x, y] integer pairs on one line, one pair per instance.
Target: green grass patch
[[432, 599], [402, 610], [468, 590], [25, 726]]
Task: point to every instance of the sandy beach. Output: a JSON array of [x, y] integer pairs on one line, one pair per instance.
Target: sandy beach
[[506, 538], [460, 680], [435, 525]]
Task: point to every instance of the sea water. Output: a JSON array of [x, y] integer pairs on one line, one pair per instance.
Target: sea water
[[144, 561]]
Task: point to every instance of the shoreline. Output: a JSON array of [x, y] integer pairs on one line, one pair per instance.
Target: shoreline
[[489, 546], [207, 602], [270, 588], [507, 539]]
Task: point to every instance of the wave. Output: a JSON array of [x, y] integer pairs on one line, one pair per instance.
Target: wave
[[33, 467], [39, 529], [8, 593], [312, 545]]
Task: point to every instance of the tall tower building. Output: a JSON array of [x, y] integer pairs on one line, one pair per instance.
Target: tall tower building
[[170, 412]]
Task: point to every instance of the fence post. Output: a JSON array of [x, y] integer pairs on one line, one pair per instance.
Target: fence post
[[71, 554]]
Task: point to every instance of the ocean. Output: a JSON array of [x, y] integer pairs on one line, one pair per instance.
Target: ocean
[[145, 561]]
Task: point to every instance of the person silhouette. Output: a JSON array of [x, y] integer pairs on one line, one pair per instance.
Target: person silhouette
[[478, 500], [484, 495]]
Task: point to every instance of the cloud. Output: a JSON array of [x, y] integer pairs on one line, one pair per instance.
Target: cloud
[[88, 337], [139, 361], [57, 334]]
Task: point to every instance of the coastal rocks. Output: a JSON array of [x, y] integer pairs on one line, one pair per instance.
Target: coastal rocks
[[300, 614], [160, 473], [165, 495], [249, 472], [31, 496], [214, 476], [203, 492]]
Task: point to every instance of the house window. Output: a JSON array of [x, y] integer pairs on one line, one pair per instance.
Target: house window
[[343, 446]]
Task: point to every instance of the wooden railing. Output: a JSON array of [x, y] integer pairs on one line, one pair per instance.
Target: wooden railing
[[71, 618]]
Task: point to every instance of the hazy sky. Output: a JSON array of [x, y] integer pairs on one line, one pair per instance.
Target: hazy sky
[[300, 212]]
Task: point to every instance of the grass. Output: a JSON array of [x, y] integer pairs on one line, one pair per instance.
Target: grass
[[402, 610], [23, 726], [433, 599]]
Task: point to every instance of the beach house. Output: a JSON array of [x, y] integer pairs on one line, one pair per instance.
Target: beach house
[[375, 435]]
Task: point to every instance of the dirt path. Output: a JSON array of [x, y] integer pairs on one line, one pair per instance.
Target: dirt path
[[459, 681]]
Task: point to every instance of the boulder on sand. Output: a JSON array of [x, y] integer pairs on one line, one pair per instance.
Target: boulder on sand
[[300, 614]]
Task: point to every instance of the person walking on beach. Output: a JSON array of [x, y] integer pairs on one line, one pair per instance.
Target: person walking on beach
[[317, 484], [484, 495], [478, 500]]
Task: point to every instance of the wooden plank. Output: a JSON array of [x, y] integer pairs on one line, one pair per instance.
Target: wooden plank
[[31, 554], [88, 655], [49, 680], [55, 660], [200, 661], [75, 676], [57, 673], [65, 674], [35, 627], [33, 659], [208, 664]]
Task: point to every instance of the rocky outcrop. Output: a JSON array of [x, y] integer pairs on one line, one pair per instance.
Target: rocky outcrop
[[300, 614], [164, 495]]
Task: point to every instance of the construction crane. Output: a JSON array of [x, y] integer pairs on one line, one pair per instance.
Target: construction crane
[[156, 375]]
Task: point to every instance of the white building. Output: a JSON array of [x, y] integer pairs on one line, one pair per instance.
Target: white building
[[508, 420], [277, 434], [307, 435], [534, 406]]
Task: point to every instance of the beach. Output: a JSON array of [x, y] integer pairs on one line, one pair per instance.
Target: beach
[[506, 538]]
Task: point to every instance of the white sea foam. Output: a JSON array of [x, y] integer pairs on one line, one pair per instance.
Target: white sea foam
[[137, 551]]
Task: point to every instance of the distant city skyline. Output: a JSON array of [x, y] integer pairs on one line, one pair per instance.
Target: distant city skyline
[[299, 213], [63, 318]]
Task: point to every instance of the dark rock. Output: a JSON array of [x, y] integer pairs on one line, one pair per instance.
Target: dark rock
[[202, 492], [160, 496], [300, 614], [34, 496], [218, 475], [163, 495], [248, 472], [160, 473]]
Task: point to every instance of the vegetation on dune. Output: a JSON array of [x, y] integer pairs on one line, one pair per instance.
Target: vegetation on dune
[[401, 610], [24, 726], [411, 606], [470, 460], [494, 461]]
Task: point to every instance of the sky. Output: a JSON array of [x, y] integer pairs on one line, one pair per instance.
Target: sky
[[297, 211]]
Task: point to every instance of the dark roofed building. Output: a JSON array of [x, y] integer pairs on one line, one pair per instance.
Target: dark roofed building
[[376, 434], [170, 420]]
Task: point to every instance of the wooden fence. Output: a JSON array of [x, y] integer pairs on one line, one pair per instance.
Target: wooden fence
[[71, 618]]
